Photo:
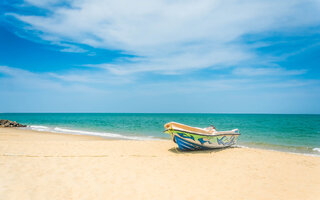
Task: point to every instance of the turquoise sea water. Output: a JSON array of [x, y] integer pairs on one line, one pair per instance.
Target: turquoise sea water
[[293, 133]]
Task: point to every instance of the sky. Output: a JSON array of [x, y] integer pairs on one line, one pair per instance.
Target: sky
[[177, 56]]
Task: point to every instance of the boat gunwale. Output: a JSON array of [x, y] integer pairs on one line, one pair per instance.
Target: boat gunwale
[[203, 134]]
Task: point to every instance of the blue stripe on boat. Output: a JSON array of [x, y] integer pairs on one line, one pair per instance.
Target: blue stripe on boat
[[186, 145], [196, 145], [183, 146]]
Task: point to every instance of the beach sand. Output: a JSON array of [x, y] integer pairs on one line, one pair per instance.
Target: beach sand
[[39, 165]]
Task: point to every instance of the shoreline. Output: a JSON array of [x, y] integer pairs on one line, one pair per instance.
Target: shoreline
[[70, 131], [40, 165], [60, 136], [116, 136]]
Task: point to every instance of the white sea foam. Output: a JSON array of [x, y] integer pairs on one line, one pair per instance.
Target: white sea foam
[[81, 132], [39, 128], [316, 149], [283, 150]]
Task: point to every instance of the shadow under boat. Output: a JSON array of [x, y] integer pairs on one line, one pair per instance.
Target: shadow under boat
[[177, 150]]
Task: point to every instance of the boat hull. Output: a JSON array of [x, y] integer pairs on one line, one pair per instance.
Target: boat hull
[[192, 141]]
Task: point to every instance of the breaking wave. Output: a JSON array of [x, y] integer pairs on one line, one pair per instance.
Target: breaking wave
[[92, 133], [316, 149]]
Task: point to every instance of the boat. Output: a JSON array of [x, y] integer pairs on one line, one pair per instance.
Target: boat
[[194, 138]]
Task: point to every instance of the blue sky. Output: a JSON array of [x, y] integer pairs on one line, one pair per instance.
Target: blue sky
[[160, 56]]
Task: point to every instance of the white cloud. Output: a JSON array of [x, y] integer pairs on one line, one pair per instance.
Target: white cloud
[[72, 48], [78, 91], [45, 3], [101, 77], [270, 71], [170, 36], [24, 80], [81, 81]]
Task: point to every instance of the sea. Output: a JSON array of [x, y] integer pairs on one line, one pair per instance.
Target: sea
[[296, 133]]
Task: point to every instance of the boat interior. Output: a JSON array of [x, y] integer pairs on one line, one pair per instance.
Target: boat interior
[[178, 126]]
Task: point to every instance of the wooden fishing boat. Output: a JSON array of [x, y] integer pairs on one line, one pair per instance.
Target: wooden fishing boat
[[193, 138]]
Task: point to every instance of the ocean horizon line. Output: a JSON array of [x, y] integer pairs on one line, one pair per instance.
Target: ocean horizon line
[[160, 113]]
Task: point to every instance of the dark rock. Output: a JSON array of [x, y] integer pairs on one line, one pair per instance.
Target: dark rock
[[8, 123]]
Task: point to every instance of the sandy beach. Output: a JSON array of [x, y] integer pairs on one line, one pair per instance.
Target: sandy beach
[[40, 165]]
